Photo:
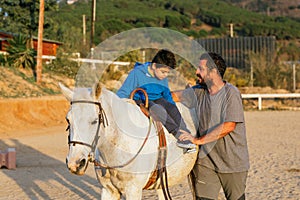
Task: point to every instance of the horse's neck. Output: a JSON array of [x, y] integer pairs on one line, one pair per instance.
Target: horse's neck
[[108, 100], [118, 108], [116, 112], [127, 124]]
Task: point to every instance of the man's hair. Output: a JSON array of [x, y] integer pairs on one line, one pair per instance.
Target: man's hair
[[214, 60], [165, 57]]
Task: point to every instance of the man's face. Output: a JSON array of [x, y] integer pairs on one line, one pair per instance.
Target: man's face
[[202, 72]]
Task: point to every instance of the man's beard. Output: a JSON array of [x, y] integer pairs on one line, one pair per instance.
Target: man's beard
[[200, 81]]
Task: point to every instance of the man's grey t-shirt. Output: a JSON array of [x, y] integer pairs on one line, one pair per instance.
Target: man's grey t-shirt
[[230, 153]]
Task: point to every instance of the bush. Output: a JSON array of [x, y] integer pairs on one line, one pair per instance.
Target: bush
[[236, 77], [272, 74], [217, 31], [203, 33], [63, 66], [3, 60], [192, 33], [115, 26], [172, 21]]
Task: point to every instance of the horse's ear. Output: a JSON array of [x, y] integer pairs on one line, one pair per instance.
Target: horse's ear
[[66, 91], [97, 90]]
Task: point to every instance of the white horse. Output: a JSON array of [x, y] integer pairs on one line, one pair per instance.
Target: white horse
[[111, 130]]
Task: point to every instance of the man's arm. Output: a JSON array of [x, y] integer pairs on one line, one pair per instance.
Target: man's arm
[[220, 131], [187, 97]]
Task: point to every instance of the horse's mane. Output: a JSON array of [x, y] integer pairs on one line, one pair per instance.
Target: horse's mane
[[128, 116]]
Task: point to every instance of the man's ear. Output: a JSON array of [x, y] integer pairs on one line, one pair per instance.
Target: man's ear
[[216, 71]]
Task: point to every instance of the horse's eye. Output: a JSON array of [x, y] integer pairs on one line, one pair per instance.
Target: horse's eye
[[94, 122]]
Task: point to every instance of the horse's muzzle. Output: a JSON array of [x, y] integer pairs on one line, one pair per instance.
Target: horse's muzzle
[[77, 167]]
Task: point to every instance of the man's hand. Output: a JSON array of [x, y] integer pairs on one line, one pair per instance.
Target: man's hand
[[186, 136]]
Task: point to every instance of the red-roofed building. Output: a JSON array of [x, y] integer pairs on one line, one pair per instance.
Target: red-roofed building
[[49, 46]]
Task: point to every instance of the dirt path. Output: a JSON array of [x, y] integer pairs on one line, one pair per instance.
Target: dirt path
[[42, 174], [273, 138]]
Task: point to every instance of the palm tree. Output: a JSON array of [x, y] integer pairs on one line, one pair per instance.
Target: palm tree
[[19, 54]]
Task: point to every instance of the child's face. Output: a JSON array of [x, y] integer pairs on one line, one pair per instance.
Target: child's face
[[160, 72]]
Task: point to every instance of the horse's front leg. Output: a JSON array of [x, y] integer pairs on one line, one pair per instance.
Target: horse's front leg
[[160, 194], [108, 190], [133, 193], [107, 193]]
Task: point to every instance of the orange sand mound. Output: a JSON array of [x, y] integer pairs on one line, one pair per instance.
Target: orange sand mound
[[32, 113]]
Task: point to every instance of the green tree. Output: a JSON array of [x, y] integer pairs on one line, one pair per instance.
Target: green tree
[[21, 16]]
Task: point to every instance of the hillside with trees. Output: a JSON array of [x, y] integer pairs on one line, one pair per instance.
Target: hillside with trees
[[290, 8], [195, 18]]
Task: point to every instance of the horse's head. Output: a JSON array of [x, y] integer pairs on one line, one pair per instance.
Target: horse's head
[[84, 118]]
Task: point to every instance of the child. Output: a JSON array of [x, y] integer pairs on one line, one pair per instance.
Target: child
[[152, 77]]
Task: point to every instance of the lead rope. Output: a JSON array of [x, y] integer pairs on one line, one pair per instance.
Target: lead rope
[[167, 185], [162, 157], [163, 171]]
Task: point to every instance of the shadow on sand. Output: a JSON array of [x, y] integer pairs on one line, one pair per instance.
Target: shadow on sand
[[37, 174]]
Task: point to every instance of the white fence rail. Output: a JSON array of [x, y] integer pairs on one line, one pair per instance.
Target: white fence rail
[[88, 60], [269, 96]]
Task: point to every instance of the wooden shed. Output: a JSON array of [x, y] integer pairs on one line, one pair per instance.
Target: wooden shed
[[49, 46]]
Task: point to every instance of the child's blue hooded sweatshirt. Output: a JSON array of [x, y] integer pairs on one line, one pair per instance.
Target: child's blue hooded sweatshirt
[[139, 77]]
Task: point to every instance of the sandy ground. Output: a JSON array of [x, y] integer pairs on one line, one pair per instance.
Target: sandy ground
[[36, 128]]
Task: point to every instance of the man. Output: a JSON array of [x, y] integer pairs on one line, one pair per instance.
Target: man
[[152, 77], [223, 159]]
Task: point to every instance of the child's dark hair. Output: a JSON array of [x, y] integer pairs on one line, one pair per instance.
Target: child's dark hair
[[214, 60], [165, 57]]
